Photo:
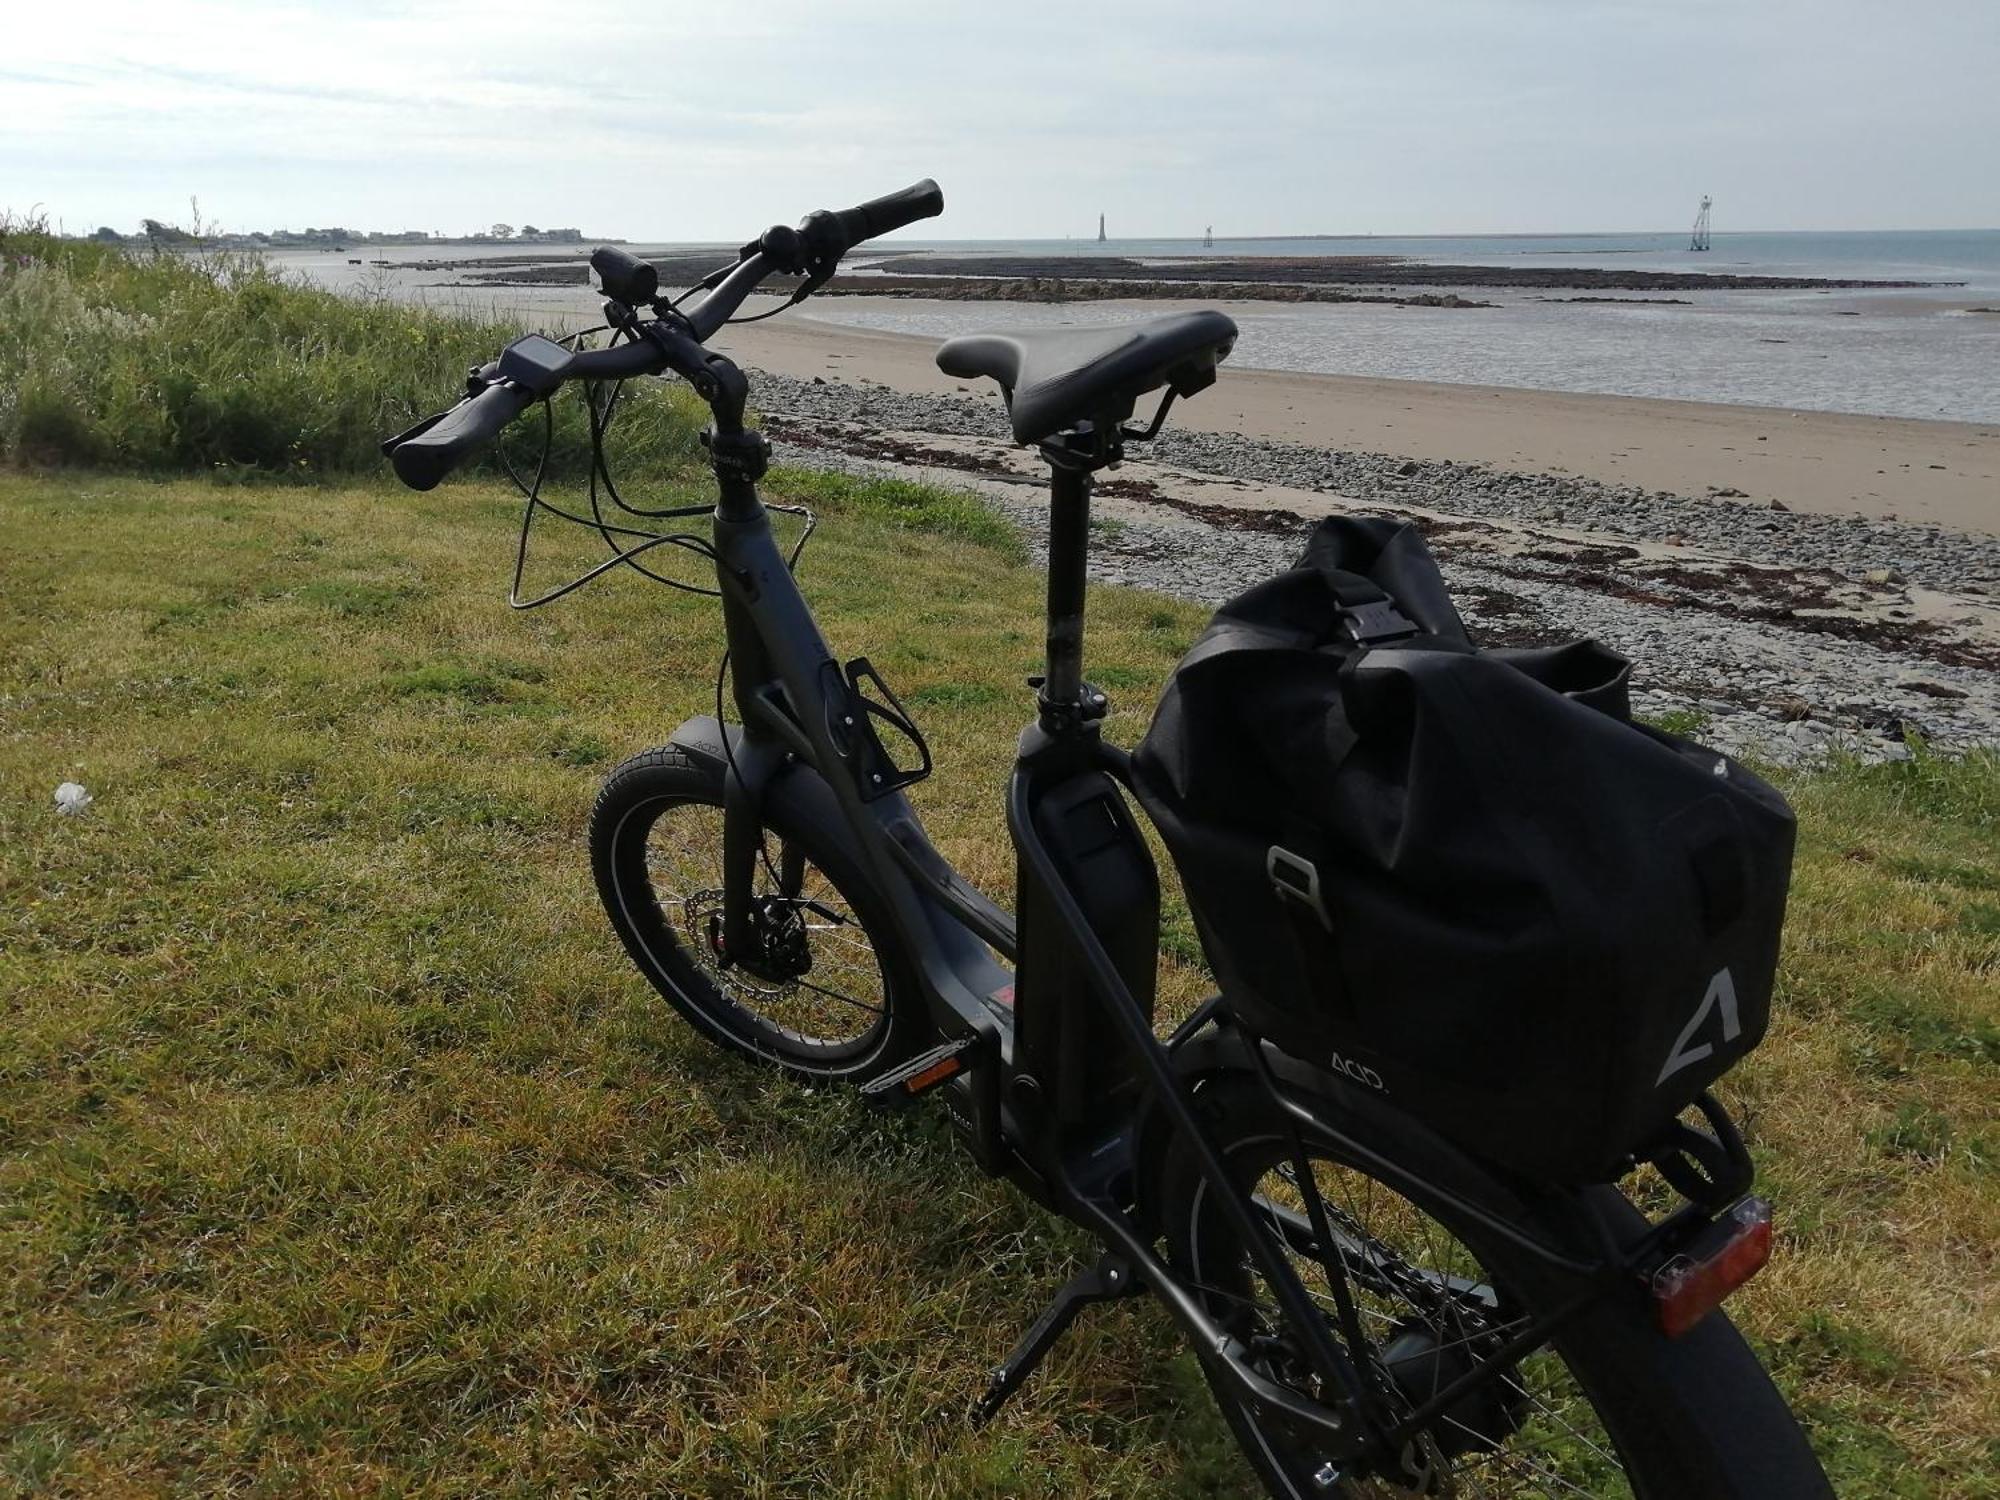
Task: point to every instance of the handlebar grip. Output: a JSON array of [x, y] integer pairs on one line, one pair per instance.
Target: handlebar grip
[[625, 276], [437, 447], [920, 200]]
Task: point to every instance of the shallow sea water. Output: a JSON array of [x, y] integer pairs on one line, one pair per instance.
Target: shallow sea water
[[1906, 353]]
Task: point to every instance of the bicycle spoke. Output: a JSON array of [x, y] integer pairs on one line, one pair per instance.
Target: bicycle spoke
[[846, 995], [804, 984], [1410, 1275]]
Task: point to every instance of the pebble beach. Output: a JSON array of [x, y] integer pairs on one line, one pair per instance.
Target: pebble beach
[[1789, 583], [1777, 633]]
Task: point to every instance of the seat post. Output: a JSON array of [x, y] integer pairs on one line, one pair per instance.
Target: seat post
[[1069, 545]]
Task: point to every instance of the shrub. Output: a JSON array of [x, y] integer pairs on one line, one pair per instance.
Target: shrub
[[178, 362]]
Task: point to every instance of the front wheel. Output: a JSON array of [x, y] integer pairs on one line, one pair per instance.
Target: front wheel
[[821, 999], [1609, 1407]]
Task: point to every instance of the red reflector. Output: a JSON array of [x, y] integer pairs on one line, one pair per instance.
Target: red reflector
[[1723, 1256], [937, 1072]]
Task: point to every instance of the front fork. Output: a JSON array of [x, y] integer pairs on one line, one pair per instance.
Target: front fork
[[751, 766]]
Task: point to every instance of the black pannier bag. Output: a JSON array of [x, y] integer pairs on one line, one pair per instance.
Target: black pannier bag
[[1463, 877]]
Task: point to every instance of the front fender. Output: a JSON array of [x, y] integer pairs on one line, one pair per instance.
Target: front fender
[[797, 788], [802, 795]]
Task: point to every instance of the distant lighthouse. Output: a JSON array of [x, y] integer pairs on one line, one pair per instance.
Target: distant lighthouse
[[1100, 229]]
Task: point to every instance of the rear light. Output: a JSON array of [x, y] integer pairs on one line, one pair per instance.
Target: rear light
[[1719, 1260]]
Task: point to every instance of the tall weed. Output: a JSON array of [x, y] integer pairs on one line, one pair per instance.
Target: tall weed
[[170, 362]]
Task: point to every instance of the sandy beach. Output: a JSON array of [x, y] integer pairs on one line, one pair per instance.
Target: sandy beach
[[1908, 468], [1795, 582], [1945, 473]]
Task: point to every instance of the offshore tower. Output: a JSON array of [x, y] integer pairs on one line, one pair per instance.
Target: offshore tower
[[1699, 239], [1100, 229]]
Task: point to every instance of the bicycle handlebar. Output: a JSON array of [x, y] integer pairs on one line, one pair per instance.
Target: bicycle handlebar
[[432, 449], [892, 211], [500, 392]]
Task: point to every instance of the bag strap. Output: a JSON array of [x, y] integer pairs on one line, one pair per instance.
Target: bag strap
[[1225, 637], [1295, 883], [1366, 609]]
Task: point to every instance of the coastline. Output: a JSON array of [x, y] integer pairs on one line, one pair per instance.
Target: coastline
[[1784, 635], [1788, 583], [1829, 463]]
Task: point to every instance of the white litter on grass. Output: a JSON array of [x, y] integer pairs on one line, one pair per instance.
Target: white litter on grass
[[71, 798]]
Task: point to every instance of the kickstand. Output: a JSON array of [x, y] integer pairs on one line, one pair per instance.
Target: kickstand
[[1107, 1281]]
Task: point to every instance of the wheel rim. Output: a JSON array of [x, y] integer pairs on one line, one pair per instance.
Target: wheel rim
[[837, 1010], [1423, 1297]]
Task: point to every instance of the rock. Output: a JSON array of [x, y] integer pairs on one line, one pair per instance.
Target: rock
[[1935, 690], [1861, 693]]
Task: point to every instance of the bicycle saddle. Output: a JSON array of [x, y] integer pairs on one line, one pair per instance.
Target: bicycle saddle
[[1056, 377]]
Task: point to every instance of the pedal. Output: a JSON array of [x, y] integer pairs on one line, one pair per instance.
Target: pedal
[[1107, 1281], [921, 1073]]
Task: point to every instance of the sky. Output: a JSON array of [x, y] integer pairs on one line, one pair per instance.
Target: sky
[[663, 120]]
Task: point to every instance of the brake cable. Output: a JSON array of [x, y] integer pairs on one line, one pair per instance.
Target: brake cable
[[785, 306], [600, 417]]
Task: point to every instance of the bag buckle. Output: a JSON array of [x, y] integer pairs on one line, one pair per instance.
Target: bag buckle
[[1376, 620], [1296, 879]]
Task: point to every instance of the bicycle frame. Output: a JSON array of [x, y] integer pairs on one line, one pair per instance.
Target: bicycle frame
[[1051, 1088], [1052, 1070]]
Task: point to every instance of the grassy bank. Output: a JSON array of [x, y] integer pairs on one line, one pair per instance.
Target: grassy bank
[[176, 364], [342, 1151]]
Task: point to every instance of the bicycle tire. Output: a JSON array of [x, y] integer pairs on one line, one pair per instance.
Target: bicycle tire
[[666, 935], [1695, 1416]]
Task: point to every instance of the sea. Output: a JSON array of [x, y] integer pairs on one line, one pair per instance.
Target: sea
[[1926, 352]]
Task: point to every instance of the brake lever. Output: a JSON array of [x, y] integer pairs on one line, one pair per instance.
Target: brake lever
[[813, 250], [813, 282]]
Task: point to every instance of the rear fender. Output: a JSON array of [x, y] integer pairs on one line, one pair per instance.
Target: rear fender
[[1425, 1162]]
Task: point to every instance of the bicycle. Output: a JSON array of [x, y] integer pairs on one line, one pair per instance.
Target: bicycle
[[1375, 1310]]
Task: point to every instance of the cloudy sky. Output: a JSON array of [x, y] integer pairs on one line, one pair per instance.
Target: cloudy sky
[[659, 119]]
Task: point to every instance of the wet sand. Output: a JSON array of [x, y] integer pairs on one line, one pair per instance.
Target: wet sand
[[1827, 462]]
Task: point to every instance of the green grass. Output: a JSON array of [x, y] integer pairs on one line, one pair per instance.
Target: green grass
[[173, 364], [341, 1151]]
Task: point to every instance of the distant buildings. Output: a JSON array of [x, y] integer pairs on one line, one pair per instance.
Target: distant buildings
[[336, 237]]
